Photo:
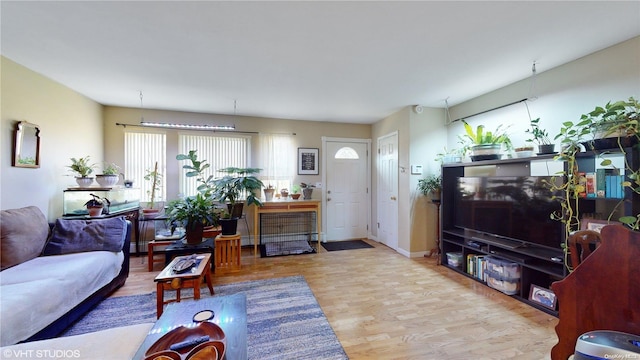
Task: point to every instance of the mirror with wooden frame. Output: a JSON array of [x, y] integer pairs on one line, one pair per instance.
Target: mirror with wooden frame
[[26, 150]]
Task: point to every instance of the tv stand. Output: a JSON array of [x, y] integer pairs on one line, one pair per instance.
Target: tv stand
[[540, 265]]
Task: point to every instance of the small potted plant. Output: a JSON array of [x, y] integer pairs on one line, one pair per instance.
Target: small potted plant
[[295, 192], [156, 182], [268, 193], [284, 194], [524, 151], [95, 206], [485, 145], [541, 137], [82, 168], [307, 191], [110, 175], [431, 186]]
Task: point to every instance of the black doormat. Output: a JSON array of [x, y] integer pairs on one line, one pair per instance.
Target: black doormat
[[345, 245]]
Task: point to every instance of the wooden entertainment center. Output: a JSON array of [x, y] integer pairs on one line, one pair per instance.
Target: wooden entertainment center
[[541, 264]]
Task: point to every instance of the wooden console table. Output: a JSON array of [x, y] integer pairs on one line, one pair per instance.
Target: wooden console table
[[284, 206]]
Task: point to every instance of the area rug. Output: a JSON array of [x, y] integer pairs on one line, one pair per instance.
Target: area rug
[[284, 320], [345, 245]]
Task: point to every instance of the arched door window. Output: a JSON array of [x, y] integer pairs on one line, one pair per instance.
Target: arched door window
[[347, 153]]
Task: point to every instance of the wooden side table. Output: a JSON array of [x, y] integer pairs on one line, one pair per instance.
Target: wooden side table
[[227, 253], [168, 280]]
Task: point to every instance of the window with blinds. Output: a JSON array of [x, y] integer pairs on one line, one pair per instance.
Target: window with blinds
[[141, 152], [219, 151]]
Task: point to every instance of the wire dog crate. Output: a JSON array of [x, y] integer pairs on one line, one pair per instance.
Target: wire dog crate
[[287, 233]]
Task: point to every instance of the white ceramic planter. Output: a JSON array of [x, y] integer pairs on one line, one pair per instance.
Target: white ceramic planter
[[107, 180], [84, 181]]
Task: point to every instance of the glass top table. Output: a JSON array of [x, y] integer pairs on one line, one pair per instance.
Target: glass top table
[[230, 314]]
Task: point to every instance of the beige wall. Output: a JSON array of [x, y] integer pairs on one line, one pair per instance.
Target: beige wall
[[70, 126], [307, 134], [428, 138], [562, 94]]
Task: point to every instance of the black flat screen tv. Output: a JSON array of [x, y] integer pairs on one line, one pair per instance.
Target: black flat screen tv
[[514, 208]]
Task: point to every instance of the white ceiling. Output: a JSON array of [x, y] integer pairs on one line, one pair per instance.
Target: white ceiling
[[353, 61]]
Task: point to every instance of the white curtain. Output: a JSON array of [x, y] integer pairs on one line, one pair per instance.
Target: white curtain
[[277, 160]]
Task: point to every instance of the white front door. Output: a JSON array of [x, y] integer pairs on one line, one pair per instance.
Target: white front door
[[346, 190], [388, 190]]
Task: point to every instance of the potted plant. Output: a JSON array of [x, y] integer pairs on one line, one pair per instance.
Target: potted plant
[[449, 156], [268, 193], [82, 168], [614, 123], [524, 151], [194, 213], [284, 194], [95, 206], [295, 192], [431, 186], [156, 182], [110, 175], [541, 137], [485, 145], [230, 188], [307, 191], [227, 189]]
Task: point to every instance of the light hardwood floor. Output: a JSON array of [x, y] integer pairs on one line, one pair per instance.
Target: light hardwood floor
[[383, 305]]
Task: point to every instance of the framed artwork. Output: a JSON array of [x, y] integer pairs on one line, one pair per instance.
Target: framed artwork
[[542, 296], [595, 225], [308, 161]]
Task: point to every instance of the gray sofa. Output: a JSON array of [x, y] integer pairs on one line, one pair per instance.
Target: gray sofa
[[52, 274]]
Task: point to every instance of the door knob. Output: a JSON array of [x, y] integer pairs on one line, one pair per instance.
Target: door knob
[[328, 191], [328, 199], [393, 198]]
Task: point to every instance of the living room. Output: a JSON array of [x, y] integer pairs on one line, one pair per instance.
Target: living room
[[73, 125]]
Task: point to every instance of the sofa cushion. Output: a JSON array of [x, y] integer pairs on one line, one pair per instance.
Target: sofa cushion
[[73, 236], [23, 234]]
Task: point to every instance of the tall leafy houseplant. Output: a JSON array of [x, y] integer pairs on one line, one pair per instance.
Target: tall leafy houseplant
[[431, 186], [236, 183], [230, 188]]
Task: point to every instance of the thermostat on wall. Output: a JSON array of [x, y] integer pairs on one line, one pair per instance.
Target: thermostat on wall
[[416, 169]]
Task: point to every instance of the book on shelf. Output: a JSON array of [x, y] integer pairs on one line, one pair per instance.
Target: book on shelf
[[590, 184], [608, 183], [476, 266]]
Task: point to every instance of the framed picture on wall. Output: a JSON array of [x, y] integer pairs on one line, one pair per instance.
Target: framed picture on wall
[[308, 161], [542, 296]]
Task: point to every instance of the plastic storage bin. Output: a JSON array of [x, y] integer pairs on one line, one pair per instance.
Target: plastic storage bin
[[503, 268], [454, 259], [507, 285]]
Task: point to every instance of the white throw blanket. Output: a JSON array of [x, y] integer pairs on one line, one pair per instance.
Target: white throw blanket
[[37, 292]]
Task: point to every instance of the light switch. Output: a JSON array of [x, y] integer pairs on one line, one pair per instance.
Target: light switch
[[416, 169]]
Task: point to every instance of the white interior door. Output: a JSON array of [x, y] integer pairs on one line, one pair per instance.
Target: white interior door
[[388, 190], [346, 190]]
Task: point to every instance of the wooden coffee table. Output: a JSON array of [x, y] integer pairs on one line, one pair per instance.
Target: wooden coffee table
[[169, 280]]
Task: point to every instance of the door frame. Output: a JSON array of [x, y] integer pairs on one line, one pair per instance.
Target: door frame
[[397, 189], [325, 140]]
